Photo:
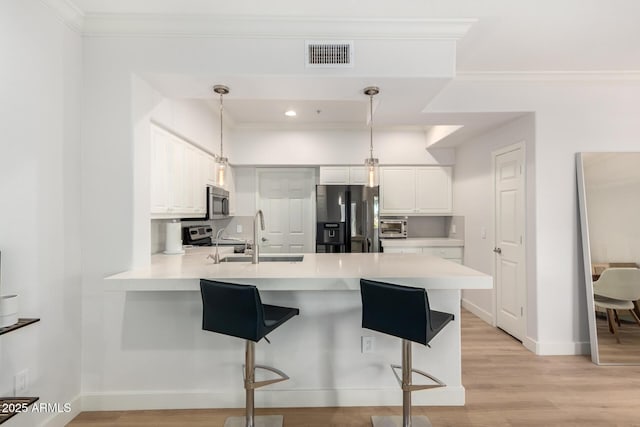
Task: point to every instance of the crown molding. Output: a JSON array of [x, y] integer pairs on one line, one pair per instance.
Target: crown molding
[[329, 126], [67, 12], [101, 25], [548, 76]]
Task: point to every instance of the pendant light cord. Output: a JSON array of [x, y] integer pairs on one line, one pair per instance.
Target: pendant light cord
[[221, 109], [371, 126]]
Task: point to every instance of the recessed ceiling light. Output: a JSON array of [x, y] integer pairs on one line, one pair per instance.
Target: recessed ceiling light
[[290, 113]]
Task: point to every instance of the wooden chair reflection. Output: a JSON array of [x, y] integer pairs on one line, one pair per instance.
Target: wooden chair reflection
[[617, 289]]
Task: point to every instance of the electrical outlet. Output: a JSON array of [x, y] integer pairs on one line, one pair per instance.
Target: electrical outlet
[[21, 383], [368, 344], [238, 228]]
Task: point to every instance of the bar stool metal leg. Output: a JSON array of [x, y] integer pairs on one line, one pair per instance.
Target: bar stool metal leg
[[249, 379], [406, 380], [406, 420], [250, 384]]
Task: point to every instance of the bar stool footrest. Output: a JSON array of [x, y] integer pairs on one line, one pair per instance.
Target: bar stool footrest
[[257, 384], [415, 387], [396, 421], [260, 421]]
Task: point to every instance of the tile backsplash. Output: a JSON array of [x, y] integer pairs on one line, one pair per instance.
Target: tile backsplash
[[436, 226]]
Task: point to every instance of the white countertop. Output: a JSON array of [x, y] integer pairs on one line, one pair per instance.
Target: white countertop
[[421, 241], [317, 272]]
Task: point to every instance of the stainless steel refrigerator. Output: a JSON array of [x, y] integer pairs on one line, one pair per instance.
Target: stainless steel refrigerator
[[347, 218]]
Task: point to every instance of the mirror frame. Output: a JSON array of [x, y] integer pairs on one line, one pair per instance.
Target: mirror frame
[[586, 257]]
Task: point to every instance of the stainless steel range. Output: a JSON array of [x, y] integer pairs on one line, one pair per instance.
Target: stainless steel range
[[197, 235]]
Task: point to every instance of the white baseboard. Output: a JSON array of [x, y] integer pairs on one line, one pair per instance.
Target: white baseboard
[[557, 348], [530, 344], [539, 348], [478, 311], [447, 396], [64, 418]]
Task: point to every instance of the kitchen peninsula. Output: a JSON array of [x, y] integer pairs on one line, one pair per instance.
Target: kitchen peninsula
[[321, 349]]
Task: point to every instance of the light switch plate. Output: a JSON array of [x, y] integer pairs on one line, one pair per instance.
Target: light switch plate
[[239, 228]]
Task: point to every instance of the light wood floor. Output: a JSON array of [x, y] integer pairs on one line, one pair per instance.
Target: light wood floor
[[506, 386], [625, 351]]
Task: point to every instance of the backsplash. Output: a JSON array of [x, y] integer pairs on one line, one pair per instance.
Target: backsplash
[[436, 226], [419, 226], [231, 227]]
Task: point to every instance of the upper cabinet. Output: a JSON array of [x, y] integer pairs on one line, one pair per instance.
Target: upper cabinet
[[179, 175], [408, 190], [343, 175]]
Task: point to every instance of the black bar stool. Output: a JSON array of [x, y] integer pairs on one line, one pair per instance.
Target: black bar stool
[[403, 312], [237, 310]]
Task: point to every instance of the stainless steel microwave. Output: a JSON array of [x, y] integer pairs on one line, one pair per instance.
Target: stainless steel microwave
[[393, 227], [217, 202]]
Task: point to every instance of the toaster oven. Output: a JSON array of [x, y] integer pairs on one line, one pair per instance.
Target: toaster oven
[[393, 227]]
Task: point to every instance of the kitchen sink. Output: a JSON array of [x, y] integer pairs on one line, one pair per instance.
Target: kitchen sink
[[264, 258]]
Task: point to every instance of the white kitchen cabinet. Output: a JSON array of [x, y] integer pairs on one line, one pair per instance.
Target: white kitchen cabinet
[[402, 250], [434, 193], [358, 175], [343, 175], [334, 175], [231, 188], [211, 170], [158, 167], [397, 190], [443, 248], [408, 190], [178, 176]]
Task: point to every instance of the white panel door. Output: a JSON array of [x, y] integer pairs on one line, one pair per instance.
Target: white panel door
[[286, 197], [509, 241], [397, 188], [433, 190]]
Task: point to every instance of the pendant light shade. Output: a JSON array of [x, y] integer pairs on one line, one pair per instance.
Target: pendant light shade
[[223, 162], [371, 163]]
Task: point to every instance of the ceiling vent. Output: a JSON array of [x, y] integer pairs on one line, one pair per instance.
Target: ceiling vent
[[329, 54]]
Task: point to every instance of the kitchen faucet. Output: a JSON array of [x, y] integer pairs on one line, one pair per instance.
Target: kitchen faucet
[[216, 257], [256, 253]]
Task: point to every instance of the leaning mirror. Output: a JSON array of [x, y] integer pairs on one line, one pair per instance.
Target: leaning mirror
[[609, 198]]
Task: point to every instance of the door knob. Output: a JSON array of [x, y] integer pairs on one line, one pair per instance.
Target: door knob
[[264, 239], [497, 250]]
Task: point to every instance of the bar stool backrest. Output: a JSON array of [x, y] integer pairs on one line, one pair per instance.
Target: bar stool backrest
[[396, 310], [232, 309]]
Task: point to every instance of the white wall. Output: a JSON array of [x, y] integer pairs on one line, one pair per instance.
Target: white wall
[[40, 198], [572, 115], [473, 198], [333, 147]]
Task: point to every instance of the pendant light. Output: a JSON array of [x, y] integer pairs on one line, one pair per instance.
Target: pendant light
[[371, 163], [223, 162]]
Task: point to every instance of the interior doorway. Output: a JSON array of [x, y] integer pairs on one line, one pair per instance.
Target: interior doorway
[[509, 251], [286, 196]]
